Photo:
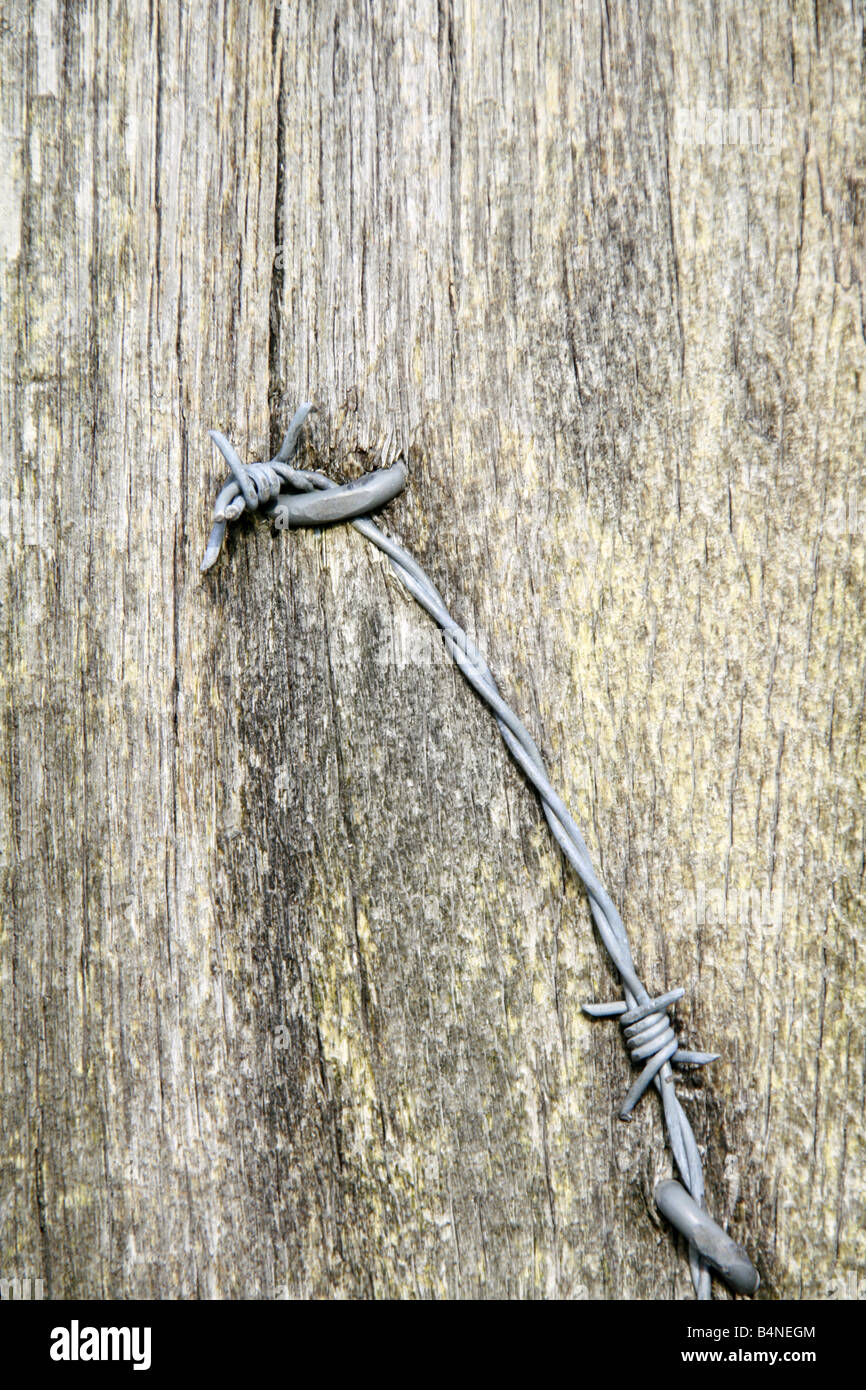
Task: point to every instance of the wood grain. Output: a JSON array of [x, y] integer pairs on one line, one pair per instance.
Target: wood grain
[[291, 972]]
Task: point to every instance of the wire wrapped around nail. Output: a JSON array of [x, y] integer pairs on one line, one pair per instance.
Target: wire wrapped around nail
[[262, 487]]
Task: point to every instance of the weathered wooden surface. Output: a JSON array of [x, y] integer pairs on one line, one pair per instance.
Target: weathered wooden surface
[[291, 971]]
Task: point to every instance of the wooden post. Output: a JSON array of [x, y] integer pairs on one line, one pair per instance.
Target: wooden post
[[291, 972]]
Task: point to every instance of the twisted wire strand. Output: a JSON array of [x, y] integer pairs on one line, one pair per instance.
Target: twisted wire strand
[[646, 1025]]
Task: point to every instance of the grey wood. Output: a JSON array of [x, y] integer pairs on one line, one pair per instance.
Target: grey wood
[[290, 971]]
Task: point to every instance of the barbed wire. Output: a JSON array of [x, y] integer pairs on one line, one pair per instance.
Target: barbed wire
[[645, 1021]]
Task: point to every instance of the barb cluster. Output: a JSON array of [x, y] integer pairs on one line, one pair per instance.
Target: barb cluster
[[650, 1038], [647, 1028]]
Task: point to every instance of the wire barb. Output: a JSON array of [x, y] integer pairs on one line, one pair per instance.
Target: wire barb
[[646, 1026], [651, 1039]]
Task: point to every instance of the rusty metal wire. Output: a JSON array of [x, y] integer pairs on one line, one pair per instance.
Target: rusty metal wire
[[646, 1024]]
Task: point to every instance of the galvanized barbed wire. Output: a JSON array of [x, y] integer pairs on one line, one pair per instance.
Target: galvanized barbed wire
[[647, 1029]]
